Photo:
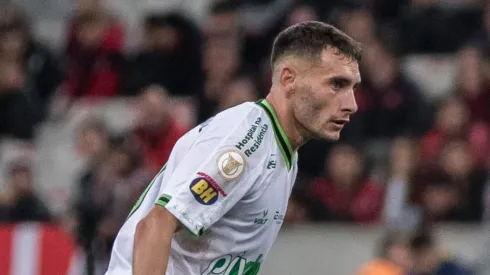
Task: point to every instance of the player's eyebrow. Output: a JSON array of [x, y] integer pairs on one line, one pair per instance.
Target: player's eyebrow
[[342, 80]]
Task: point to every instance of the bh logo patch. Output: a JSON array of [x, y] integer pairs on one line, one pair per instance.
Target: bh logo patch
[[203, 191]]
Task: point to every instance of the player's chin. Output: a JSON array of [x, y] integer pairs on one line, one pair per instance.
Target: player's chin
[[331, 135]]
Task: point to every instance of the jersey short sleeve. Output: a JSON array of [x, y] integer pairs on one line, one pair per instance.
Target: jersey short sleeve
[[219, 168]]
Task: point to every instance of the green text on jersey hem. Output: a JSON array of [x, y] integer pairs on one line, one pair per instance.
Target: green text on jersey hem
[[281, 138]]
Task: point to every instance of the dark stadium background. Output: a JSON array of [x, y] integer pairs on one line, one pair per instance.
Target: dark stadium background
[[93, 95]]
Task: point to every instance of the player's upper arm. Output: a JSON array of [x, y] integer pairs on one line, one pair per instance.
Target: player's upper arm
[[161, 218], [220, 168]]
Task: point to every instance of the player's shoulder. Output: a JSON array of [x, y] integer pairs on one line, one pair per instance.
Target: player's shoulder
[[235, 119], [244, 128], [244, 112]]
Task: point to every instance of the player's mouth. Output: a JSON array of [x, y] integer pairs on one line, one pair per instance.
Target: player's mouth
[[340, 123]]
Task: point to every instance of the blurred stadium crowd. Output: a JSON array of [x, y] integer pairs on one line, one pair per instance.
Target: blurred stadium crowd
[[416, 154]]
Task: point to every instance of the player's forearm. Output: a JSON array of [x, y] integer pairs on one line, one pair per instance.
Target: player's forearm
[[152, 246]]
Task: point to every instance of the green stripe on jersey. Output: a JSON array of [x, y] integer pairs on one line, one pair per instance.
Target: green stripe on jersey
[[281, 138], [163, 200]]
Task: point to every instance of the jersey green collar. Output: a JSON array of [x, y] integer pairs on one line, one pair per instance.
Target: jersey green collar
[[281, 138]]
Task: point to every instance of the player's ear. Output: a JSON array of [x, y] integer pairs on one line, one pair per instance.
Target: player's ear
[[287, 77]]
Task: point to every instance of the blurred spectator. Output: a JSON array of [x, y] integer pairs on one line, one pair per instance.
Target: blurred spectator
[[389, 104], [170, 56], [239, 90], [453, 122], [121, 180], [360, 25], [17, 113], [386, 10], [345, 190], [108, 192], [35, 70], [19, 202], [157, 129], [454, 191], [92, 141], [393, 257], [259, 40], [403, 159], [482, 36], [428, 259], [92, 144], [470, 180], [301, 13], [424, 25], [273, 16], [224, 20], [221, 55], [256, 52], [328, 9], [94, 54], [473, 83], [440, 197]]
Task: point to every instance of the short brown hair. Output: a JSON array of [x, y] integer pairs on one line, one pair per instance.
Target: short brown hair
[[309, 39]]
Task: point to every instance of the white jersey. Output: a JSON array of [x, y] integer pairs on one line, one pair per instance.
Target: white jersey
[[228, 182]]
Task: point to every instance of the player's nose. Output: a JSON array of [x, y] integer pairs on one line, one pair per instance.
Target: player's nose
[[348, 103]]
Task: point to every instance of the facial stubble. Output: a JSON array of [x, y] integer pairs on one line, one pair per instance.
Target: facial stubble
[[307, 112]]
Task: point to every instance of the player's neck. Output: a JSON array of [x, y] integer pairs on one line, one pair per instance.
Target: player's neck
[[293, 131]]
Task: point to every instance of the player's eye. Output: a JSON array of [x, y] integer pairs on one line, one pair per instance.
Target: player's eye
[[337, 84]]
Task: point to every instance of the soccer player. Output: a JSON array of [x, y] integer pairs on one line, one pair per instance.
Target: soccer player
[[217, 206]]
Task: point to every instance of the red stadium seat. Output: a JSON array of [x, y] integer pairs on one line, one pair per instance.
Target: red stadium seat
[[38, 249]]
